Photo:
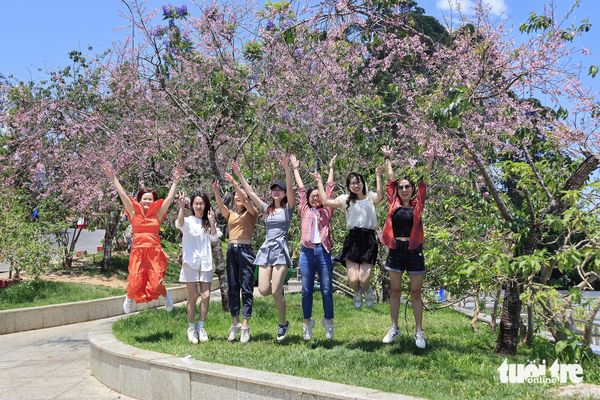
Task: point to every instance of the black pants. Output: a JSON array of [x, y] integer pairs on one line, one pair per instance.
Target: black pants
[[240, 276]]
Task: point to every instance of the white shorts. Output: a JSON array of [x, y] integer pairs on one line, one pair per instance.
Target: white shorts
[[189, 274]]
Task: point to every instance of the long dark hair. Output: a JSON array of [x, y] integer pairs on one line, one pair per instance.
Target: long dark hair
[[143, 191], [353, 197], [207, 207]]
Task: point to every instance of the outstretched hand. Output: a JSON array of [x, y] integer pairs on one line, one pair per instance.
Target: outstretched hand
[[216, 186], [387, 151], [332, 161], [177, 172], [108, 170], [211, 216], [316, 176], [294, 161], [379, 170], [284, 162], [228, 177], [181, 199], [236, 168]]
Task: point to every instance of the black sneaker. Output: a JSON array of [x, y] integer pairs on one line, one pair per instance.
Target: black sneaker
[[282, 331]]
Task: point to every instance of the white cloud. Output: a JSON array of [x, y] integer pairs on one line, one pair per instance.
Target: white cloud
[[496, 7]]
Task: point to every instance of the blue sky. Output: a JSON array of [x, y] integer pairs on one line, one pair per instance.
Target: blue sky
[[39, 38]]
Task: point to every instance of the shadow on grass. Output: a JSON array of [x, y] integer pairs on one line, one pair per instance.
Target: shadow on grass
[[154, 337], [366, 345], [326, 344]]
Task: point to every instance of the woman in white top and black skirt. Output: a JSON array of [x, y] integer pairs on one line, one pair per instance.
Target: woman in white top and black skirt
[[359, 253]]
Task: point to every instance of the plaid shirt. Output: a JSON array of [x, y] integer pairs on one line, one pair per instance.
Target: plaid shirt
[[307, 216]]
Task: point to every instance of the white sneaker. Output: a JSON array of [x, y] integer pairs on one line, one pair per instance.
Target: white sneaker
[[192, 335], [202, 335], [127, 305], [420, 339], [245, 335], [233, 331], [168, 302], [392, 334], [307, 330], [282, 331], [358, 298], [329, 326], [370, 297]]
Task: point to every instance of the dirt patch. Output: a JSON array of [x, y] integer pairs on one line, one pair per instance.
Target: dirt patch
[[75, 277]]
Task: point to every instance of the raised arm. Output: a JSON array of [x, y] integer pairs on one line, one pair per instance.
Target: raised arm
[[214, 231], [216, 187], [387, 154], [380, 195], [285, 163], [167, 203], [181, 213], [255, 199], [331, 165], [324, 200], [241, 194], [295, 166], [110, 174]]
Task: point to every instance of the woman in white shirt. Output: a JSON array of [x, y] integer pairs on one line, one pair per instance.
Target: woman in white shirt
[[199, 229], [359, 253]]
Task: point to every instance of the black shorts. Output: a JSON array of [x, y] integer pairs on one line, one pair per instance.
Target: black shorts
[[360, 246], [401, 259]]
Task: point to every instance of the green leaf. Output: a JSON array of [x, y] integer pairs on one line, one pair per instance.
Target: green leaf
[[593, 71]]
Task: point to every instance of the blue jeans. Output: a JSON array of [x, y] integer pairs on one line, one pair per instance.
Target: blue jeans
[[313, 261]]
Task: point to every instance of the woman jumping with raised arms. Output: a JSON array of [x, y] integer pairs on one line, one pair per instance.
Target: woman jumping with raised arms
[[403, 235], [147, 260], [240, 257], [198, 230], [315, 255], [273, 257], [360, 245]]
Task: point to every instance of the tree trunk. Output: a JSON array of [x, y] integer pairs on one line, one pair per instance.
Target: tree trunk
[[475, 312], [68, 263], [530, 312], [219, 260], [589, 322], [508, 334], [112, 227], [221, 273], [495, 309]]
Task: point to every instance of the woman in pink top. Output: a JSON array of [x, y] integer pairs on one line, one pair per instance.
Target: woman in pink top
[[315, 255]]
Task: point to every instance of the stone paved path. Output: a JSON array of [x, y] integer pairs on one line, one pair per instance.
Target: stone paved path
[[51, 364]]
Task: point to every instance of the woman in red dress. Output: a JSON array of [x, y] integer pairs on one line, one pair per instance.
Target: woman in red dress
[[147, 260]]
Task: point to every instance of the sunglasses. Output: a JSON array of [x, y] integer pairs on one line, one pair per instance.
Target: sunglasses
[[404, 187]]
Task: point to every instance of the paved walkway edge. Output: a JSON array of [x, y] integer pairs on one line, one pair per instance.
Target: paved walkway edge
[[149, 375], [25, 319]]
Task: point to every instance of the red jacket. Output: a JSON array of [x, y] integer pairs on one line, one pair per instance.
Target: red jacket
[[416, 234]]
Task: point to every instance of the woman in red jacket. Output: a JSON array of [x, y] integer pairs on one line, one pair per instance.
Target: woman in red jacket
[[403, 235]]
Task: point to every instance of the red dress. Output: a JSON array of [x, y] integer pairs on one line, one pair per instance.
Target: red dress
[[147, 260]]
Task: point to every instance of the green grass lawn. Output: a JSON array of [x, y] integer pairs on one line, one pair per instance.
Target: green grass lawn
[[457, 363], [42, 293]]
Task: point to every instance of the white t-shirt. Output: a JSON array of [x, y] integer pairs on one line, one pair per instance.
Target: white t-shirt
[[361, 213], [196, 243], [315, 237]]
